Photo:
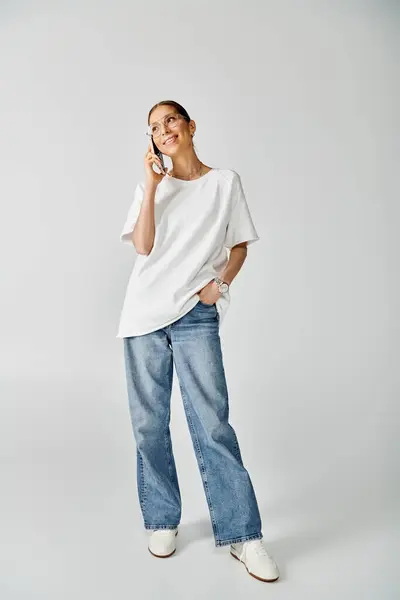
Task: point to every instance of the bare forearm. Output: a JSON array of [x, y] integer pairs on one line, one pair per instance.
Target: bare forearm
[[144, 230], [237, 257]]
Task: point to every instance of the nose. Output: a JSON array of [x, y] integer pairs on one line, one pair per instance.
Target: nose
[[164, 129]]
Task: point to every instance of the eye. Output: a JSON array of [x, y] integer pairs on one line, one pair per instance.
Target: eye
[[171, 119]]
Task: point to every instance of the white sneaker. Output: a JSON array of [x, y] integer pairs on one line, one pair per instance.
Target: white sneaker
[[258, 562], [162, 542]]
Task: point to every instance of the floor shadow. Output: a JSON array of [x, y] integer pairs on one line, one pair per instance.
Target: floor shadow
[[190, 533]]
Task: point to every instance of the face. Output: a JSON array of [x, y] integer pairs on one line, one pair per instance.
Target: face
[[174, 133]]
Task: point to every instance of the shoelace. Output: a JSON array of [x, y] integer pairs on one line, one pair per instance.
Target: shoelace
[[261, 549], [258, 547]]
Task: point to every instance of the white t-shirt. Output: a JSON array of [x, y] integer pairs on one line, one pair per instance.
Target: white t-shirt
[[196, 222]]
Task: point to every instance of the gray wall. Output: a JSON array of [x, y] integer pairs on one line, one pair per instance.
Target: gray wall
[[301, 98]]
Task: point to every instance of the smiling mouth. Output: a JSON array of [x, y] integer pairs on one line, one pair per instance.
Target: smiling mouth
[[170, 141]]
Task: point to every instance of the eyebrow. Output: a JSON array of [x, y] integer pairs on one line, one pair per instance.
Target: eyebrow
[[164, 117]]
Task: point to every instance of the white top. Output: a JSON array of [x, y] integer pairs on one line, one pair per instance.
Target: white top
[[196, 222]]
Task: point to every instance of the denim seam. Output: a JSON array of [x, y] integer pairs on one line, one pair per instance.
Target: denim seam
[[201, 461], [143, 483], [160, 526], [238, 540], [172, 472]]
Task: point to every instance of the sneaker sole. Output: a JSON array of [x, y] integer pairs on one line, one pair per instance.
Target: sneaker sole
[[163, 555], [252, 574]]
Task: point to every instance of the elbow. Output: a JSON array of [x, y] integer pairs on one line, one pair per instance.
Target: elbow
[[141, 247], [143, 240], [144, 250]]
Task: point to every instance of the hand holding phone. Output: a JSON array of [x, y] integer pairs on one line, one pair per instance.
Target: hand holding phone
[[159, 156], [153, 158]]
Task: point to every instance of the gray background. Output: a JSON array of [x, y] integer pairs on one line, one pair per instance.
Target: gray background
[[301, 98]]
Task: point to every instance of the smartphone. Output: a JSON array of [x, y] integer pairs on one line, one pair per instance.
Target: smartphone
[[158, 153]]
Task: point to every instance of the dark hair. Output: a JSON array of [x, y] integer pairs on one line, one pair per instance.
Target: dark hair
[[179, 109]]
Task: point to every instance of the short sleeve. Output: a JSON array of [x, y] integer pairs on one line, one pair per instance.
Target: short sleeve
[[133, 213], [240, 227]]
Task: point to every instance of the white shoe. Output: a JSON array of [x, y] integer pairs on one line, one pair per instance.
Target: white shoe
[[162, 542], [258, 562]]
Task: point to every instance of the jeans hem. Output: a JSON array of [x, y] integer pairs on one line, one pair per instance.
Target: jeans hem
[[147, 526], [238, 540]]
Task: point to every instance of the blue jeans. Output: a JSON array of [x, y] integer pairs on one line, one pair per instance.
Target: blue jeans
[[192, 343]]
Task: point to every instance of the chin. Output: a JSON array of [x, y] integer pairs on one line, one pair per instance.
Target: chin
[[171, 151]]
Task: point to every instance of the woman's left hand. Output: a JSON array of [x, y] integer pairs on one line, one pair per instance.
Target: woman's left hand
[[210, 293]]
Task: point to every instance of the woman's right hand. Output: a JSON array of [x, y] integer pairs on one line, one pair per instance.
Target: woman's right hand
[[151, 176]]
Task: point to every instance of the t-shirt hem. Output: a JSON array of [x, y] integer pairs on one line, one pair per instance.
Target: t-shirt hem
[[249, 239], [119, 335]]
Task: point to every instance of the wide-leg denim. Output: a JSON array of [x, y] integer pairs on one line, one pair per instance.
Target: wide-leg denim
[[192, 343]]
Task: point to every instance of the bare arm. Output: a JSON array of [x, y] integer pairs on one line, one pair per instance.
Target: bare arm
[[210, 293], [144, 230], [237, 256]]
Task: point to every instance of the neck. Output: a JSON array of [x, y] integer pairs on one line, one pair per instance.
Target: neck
[[186, 166]]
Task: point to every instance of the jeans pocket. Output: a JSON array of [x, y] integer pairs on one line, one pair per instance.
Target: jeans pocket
[[205, 304]]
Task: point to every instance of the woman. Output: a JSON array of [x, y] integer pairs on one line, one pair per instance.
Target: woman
[[182, 224]]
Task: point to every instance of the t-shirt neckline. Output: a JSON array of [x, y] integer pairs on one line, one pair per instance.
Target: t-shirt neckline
[[189, 181]]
